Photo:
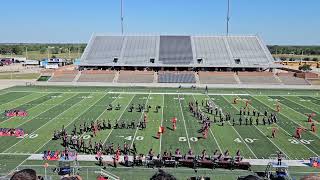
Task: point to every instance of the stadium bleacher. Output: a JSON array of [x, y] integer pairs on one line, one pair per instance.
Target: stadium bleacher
[[175, 50], [176, 77], [217, 78], [104, 49], [289, 79], [96, 76], [139, 49], [135, 77], [257, 78], [212, 50], [248, 50], [64, 76]]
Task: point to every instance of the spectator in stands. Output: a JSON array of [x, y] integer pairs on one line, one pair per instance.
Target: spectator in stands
[[161, 175], [25, 174]]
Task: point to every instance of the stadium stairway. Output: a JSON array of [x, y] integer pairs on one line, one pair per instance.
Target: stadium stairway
[[155, 77], [236, 77], [278, 79], [196, 76], [116, 77], [77, 77]]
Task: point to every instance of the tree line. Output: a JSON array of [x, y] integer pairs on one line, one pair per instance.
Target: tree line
[[19, 49]]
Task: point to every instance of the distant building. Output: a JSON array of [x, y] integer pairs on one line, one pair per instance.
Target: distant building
[[52, 63]]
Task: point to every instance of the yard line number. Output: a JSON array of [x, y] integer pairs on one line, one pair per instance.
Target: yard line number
[[298, 141], [193, 139], [247, 140], [130, 138]]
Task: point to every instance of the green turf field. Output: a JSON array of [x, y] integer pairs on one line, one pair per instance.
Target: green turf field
[[50, 108]]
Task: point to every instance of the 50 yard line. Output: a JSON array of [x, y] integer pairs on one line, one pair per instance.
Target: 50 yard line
[[184, 122], [161, 122], [135, 134]]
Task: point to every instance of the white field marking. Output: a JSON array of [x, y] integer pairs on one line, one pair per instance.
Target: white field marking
[[289, 133], [161, 122], [14, 103], [83, 134], [174, 93], [26, 109], [73, 120], [35, 117], [237, 132], [294, 122], [305, 107], [10, 172], [184, 122], [118, 119], [44, 124], [265, 134], [212, 134], [135, 133]]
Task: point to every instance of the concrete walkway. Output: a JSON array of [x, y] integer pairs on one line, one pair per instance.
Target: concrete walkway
[[263, 162]]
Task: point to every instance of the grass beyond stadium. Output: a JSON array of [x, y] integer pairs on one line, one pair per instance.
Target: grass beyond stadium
[[50, 108]]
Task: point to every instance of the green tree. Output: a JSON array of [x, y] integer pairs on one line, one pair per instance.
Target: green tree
[[305, 67]]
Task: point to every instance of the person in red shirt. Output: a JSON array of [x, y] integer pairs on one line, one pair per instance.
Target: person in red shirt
[[145, 119], [174, 123]]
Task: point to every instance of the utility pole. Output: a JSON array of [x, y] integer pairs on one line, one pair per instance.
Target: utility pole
[[228, 17], [27, 53], [121, 11]]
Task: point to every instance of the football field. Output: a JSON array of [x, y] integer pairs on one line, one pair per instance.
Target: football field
[[50, 108]]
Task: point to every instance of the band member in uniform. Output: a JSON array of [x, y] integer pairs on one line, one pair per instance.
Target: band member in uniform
[[273, 134], [313, 127], [174, 123]]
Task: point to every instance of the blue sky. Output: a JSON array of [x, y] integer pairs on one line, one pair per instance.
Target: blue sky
[[276, 21]]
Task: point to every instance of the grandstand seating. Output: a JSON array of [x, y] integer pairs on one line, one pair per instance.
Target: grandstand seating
[[135, 77], [176, 77], [139, 49], [63, 76], [289, 79], [217, 78], [247, 49], [175, 50], [257, 78], [225, 51], [104, 49], [96, 76], [212, 50]]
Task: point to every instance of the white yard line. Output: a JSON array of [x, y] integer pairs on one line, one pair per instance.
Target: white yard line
[[26, 109], [237, 131], [264, 133], [135, 134], [11, 172], [184, 122], [100, 114], [212, 133], [315, 111], [35, 107], [73, 119], [161, 122], [118, 119], [295, 122], [43, 124], [289, 133], [13, 101]]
